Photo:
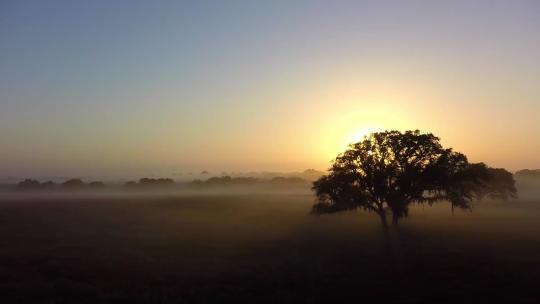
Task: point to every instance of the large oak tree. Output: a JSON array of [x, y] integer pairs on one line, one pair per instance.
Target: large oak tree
[[388, 171]]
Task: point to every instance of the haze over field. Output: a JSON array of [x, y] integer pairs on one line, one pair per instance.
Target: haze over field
[[129, 89], [261, 248], [269, 151]]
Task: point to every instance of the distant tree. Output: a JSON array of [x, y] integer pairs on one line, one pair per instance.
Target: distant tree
[[130, 184], [311, 174], [96, 185], [388, 171], [165, 181], [29, 184], [197, 182], [145, 181], [152, 182], [243, 180], [288, 180], [74, 183], [48, 185], [227, 181], [219, 180], [528, 174]]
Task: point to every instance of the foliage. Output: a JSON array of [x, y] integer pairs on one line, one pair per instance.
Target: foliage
[[500, 184], [389, 171]]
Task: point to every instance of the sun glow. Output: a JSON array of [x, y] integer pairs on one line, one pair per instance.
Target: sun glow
[[361, 133]]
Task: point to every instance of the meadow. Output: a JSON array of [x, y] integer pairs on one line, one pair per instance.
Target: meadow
[[264, 248]]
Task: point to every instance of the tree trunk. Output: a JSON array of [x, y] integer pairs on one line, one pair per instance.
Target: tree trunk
[[395, 219], [384, 223]]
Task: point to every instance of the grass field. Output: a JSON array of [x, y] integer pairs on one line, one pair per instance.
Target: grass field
[[262, 248]]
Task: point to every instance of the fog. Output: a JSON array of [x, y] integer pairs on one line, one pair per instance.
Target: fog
[[204, 245]]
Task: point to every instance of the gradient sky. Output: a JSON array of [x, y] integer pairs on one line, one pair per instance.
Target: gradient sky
[[133, 88]]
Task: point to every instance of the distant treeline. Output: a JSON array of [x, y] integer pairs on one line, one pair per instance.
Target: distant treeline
[[150, 183], [246, 181], [529, 174], [71, 184], [76, 184], [161, 183]]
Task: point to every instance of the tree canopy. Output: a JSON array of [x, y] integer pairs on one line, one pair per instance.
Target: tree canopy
[[388, 171]]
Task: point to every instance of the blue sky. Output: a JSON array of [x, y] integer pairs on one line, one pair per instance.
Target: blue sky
[[154, 87]]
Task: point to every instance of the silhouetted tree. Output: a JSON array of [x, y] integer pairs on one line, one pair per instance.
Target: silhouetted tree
[[29, 184], [150, 183], [388, 171], [219, 180], [74, 183], [153, 182], [32, 184]]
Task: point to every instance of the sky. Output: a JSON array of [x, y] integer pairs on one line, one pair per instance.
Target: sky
[[142, 88]]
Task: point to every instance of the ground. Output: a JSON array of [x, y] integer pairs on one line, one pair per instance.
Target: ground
[[265, 248]]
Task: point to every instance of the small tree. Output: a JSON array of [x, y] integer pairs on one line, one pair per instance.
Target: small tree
[[389, 171]]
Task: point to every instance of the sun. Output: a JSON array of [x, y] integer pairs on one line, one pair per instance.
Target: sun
[[359, 134]]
